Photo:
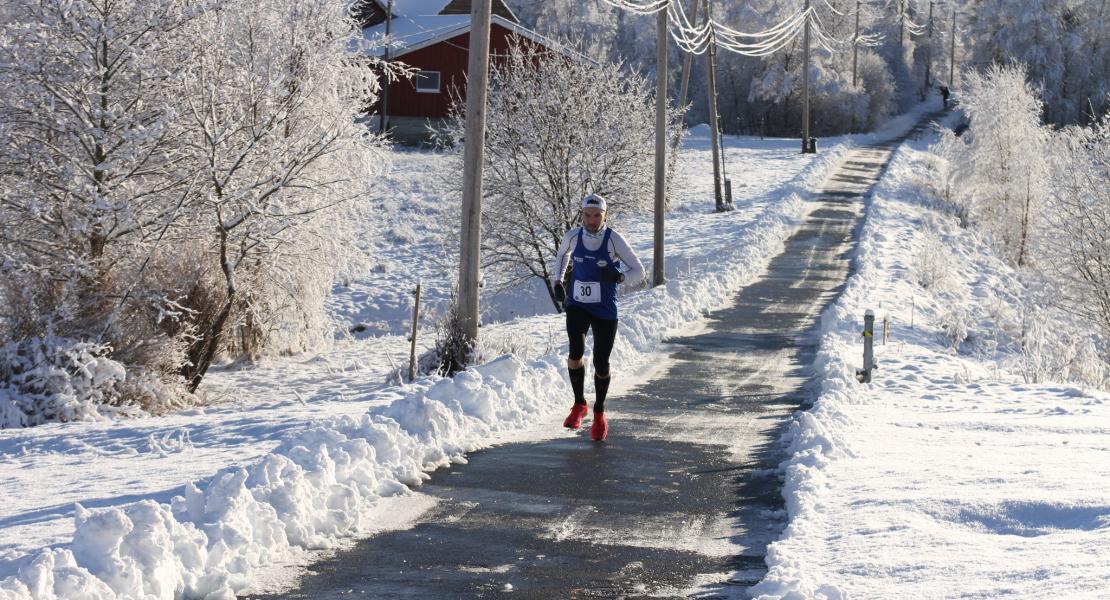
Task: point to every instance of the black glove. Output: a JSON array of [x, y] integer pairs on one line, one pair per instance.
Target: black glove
[[609, 274], [560, 293]]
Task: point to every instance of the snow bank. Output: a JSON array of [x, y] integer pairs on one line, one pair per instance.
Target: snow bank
[[320, 486], [946, 475], [310, 492], [816, 438]]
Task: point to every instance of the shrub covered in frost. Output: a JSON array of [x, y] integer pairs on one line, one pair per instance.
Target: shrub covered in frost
[[56, 379]]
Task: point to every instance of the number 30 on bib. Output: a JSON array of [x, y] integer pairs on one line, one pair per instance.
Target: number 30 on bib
[[587, 292]]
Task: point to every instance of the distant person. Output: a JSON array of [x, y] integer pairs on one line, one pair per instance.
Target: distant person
[[944, 96], [598, 254]]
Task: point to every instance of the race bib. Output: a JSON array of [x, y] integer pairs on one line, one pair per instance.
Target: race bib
[[587, 292]]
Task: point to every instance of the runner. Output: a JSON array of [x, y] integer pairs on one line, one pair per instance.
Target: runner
[[597, 253]]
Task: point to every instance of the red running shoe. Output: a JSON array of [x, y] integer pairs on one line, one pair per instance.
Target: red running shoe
[[574, 419], [600, 428]]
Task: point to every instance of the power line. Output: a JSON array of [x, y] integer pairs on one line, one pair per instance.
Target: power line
[[696, 38]]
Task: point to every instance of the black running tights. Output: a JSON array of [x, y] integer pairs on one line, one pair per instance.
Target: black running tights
[[605, 333]]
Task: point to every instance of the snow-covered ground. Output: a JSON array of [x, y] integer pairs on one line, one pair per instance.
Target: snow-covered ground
[[304, 452], [948, 476]]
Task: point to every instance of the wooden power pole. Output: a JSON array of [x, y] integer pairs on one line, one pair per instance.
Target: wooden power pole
[[805, 82], [687, 61], [383, 123], [711, 57], [473, 152], [929, 55], [855, 47], [952, 52], [660, 146], [901, 28]]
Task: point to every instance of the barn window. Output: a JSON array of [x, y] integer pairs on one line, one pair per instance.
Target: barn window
[[427, 82]]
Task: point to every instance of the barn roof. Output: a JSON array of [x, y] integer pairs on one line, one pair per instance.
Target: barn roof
[[421, 23]]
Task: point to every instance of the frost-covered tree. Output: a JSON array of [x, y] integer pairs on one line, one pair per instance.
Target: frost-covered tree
[[777, 78], [92, 175], [1063, 43], [91, 159], [1007, 179], [592, 23], [924, 66], [171, 170], [1080, 217], [271, 110], [559, 126], [836, 103]]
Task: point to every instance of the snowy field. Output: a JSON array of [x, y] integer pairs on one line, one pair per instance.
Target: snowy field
[[304, 452], [948, 476]]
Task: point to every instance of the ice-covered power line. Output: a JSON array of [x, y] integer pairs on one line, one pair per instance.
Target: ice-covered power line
[[711, 34], [643, 7], [791, 30], [833, 9], [915, 28], [827, 41], [870, 40], [695, 38]]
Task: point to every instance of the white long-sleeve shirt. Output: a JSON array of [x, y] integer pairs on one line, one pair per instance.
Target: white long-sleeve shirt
[[618, 250]]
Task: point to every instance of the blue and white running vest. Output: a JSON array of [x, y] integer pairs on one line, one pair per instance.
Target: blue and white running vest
[[587, 291]]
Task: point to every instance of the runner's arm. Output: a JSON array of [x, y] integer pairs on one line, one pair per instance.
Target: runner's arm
[[635, 269], [562, 256]]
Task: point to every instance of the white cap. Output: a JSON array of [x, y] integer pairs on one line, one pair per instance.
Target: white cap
[[594, 201]]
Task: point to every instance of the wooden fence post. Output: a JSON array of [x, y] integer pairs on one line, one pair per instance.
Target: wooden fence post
[[412, 344]]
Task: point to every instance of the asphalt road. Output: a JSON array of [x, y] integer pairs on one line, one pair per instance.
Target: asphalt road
[[681, 500]]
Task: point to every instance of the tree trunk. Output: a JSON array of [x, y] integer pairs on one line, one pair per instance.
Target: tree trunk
[[203, 351], [1024, 224]]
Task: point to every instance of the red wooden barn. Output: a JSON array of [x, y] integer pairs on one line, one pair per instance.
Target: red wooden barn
[[433, 36]]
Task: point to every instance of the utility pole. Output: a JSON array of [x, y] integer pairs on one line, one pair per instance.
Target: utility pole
[[929, 55], [855, 47], [901, 28], [686, 64], [660, 145], [383, 123], [687, 61], [952, 52], [805, 83], [473, 151], [855, 62], [711, 56]]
